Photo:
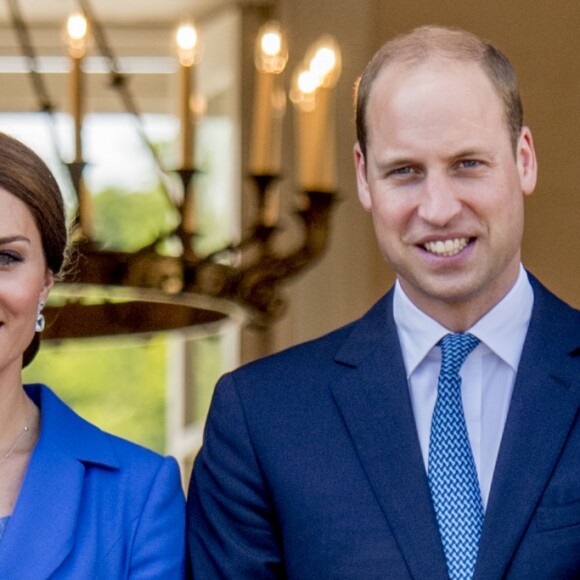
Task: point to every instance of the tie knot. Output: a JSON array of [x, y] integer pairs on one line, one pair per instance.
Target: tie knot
[[455, 348]]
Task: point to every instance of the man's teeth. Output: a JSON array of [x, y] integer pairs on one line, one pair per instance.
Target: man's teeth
[[447, 247]]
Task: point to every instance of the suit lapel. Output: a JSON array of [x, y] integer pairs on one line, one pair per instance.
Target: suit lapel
[[45, 517], [544, 405], [375, 404]]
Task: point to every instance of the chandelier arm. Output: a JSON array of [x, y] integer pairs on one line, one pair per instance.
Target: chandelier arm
[[233, 248], [258, 285], [258, 235], [45, 105]]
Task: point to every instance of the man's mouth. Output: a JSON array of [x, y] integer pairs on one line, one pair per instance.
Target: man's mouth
[[446, 248]]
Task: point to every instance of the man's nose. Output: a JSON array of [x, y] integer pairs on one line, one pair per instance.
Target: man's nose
[[440, 203]]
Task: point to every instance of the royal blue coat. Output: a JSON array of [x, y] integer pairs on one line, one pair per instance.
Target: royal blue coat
[[93, 506]]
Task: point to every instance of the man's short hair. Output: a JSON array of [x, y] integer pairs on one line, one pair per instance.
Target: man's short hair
[[428, 42]]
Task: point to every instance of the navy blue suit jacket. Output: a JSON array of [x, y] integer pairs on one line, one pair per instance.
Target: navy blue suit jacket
[[311, 466], [93, 506]]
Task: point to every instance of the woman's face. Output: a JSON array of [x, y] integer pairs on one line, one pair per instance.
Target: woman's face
[[24, 281]]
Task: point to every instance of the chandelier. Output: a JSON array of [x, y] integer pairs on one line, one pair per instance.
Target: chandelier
[[151, 289]]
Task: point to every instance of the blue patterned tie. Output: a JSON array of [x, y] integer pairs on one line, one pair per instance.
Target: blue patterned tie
[[452, 474]]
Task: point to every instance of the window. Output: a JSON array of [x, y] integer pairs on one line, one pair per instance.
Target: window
[[153, 390]]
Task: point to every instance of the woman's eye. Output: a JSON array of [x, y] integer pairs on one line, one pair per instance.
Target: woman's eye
[[7, 258]]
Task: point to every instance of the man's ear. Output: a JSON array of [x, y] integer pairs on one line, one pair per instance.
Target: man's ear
[[526, 161], [361, 178]]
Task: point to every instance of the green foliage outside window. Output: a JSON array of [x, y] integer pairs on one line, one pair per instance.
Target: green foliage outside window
[[118, 384]]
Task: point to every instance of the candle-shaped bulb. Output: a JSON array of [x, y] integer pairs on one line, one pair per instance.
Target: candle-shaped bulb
[[312, 94], [324, 61], [271, 50], [189, 54], [303, 89], [77, 30], [187, 44], [308, 81], [271, 43], [271, 55]]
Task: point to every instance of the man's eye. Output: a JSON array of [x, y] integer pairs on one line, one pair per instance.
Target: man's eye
[[469, 163], [402, 171]]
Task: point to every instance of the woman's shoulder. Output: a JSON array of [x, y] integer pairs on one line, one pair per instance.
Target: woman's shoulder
[[122, 504], [64, 431]]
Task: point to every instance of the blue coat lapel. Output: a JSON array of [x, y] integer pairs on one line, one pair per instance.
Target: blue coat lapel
[[52, 491], [377, 410], [543, 409], [59, 478]]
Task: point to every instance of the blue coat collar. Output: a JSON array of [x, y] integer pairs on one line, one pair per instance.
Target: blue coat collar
[[44, 520], [89, 445]]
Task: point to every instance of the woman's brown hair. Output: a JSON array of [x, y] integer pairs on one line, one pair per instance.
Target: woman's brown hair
[[25, 175]]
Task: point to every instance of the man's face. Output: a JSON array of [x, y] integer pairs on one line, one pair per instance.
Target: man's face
[[444, 186]]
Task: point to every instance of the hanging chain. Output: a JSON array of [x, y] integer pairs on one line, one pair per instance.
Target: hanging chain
[[118, 83], [44, 103]]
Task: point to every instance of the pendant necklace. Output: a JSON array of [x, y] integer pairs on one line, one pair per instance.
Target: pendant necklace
[[24, 431]]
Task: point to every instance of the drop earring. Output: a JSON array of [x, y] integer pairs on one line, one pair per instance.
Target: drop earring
[[40, 318]]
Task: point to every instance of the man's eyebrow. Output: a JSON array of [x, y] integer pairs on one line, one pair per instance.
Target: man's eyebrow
[[467, 152], [385, 164], [472, 151]]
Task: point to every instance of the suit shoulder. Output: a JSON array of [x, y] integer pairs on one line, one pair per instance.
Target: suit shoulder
[[362, 334], [313, 365], [299, 357], [549, 307]]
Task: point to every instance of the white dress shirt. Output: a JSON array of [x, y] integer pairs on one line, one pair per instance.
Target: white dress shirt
[[488, 374]]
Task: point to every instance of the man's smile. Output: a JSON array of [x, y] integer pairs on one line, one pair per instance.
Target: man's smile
[[446, 247]]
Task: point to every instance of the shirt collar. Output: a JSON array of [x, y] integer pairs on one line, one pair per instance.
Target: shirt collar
[[503, 329]]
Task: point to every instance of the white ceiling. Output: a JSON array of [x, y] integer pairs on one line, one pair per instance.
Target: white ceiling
[[121, 12]]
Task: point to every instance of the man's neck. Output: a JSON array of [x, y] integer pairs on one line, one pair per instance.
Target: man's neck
[[458, 315]]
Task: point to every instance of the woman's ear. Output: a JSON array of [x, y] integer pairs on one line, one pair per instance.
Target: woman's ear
[[47, 285]]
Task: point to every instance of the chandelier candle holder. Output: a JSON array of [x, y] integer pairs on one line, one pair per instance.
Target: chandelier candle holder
[[77, 35], [122, 292]]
